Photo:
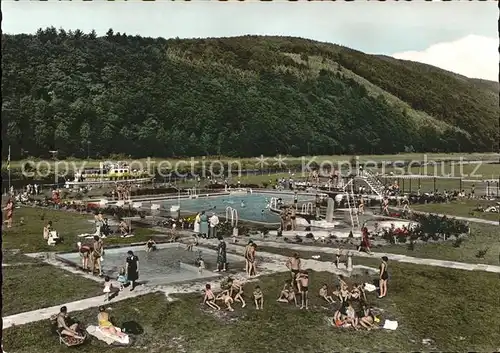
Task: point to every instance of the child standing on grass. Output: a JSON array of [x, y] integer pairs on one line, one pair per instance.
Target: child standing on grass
[[108, 290], [122, 278], [303, 284]]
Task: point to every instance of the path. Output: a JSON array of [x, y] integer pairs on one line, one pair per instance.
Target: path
[[20, 264], [468, 219], [46, 313], [376, 255], [274, 263]]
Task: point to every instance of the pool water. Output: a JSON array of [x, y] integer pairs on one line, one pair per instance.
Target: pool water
[[169, 264], [252, 207]]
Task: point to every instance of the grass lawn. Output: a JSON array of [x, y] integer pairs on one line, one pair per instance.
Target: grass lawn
[[482, 237], [9, 257], [428, 185], [466, 171], [418, 299], [79, 163], [269, 179], [37, 286], [29, 237], [461, 208]]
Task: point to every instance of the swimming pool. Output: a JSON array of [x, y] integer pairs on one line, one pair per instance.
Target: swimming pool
[[252, 207], [171, 263]]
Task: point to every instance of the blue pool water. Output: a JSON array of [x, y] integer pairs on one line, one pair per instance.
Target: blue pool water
[[252, 207]]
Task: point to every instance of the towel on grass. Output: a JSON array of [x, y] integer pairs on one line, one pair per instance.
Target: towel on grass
[[390, 325], [106, 337], [370, 287], [86, 236]]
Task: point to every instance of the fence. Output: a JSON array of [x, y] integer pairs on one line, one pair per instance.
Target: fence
[[429, 184]]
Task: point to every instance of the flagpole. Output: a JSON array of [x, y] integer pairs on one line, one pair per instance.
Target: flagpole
[[9, 167]]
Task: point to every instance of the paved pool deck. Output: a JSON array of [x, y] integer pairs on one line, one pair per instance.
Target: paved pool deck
[[374, 255]]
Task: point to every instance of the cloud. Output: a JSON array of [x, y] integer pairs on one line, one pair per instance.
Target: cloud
[[472, 56]]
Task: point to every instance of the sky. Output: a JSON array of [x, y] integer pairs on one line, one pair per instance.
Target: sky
[[458, 36]]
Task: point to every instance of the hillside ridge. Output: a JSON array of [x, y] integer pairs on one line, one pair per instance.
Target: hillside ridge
[[85, 95]]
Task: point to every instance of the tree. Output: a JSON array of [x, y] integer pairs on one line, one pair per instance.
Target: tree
[[242, 96]]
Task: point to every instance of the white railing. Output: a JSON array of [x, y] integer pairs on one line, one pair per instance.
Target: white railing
[[307, 208], [351, 203], [192, 193], [233, 214], [273, 203]]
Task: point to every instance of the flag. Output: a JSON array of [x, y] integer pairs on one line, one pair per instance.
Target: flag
[[8, 160]]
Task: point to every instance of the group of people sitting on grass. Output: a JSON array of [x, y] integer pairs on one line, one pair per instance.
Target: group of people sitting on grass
[[51, 235], [72, 333], [231, 292], [103, 229], [346, 315], [347, 297], [298, 285], [489, 209]]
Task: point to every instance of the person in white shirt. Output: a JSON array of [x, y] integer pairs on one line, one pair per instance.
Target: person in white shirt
[[214, 222]]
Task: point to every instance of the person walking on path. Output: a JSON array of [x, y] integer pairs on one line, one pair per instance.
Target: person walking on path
[[221, 255], [132, 269]]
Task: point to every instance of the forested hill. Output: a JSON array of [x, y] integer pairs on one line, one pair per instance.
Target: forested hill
[[242, 96]]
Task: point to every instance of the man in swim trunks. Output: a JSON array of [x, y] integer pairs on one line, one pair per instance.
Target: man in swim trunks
[[293, 264], [246, 255], [97, 252], [303, 283], [62, 324], [84, 251]]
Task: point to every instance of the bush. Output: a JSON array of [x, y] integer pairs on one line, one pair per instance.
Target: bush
[[215, 186], [149, 191]]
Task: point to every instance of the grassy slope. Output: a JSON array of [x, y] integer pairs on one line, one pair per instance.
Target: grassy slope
[[418, 299], [382, 76], [385, 76], [317, 63], [466, 92]]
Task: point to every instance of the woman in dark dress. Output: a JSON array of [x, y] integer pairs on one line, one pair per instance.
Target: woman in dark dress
[[221, 255], [132, 267]]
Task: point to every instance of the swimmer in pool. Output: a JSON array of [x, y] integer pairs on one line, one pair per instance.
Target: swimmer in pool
[[242, 204]]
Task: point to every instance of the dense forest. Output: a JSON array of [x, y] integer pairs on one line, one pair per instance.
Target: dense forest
[[85, 95]]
